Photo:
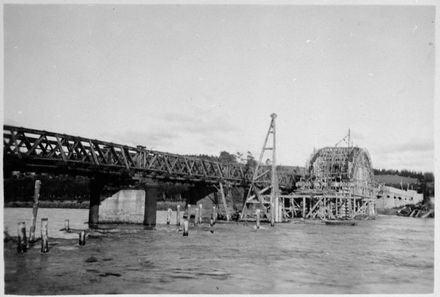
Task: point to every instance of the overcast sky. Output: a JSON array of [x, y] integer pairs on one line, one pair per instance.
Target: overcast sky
[[202, 79]]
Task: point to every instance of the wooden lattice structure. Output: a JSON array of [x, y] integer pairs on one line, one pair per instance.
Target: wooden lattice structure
[[339, 182]]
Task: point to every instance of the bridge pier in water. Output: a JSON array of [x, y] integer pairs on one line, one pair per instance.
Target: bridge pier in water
[[96, 185], [151, 194]]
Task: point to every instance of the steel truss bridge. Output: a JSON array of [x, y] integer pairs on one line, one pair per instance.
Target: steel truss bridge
[[41, 151]]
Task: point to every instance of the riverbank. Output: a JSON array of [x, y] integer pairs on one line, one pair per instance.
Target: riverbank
[[161, 205], [410, 210]]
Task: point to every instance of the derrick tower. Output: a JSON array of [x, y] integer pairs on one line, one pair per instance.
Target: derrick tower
[[264, 191]]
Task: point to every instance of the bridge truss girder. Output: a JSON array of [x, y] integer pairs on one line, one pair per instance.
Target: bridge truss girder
[[41, 151]]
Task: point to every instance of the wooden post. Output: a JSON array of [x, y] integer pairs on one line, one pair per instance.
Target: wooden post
[[185, 228], [200, 213], [178, 216], [211, 225], [82, 237], [292, 208], [66, 225], [44, 236], [169, 216], [304, 207], [214, 214], [258, 218], [353, 206], [272, 214], [189, 212], [196, 218], [35, 210], [22, 242]]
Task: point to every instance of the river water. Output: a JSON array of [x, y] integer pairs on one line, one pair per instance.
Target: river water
[[388, 255]]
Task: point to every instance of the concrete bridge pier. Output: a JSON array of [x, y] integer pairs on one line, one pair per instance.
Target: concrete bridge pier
[[95, 186], [152, 193]]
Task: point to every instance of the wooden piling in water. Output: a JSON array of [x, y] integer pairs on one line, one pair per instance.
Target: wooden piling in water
[[196, 218], [44, 235], [272, 215], [211, 225], [185, 227], [169, 216], [258, 218], [66, 225], [82, 237], [188, 209], [22, 242], [214, 214], [200, 213], [35, 210], [304, 207], [178, 215]]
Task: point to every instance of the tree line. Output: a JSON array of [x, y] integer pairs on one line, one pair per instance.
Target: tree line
[[419, 175], [226, 157]]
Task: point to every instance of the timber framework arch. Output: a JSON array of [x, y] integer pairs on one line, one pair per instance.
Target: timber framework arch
[[330, 165], [338, 184]]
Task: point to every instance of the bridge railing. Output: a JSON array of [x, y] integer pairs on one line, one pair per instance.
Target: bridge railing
[[43, 150]]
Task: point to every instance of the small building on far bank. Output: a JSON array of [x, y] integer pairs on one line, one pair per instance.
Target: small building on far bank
[[390, 197]]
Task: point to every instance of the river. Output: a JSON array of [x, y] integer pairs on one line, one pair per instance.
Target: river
[[388, 255]]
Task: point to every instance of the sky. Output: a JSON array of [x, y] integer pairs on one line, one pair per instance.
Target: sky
[[200, 79]]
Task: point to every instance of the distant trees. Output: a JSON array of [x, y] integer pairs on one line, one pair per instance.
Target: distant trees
[[226, 157], [406, 173], [205, 157], [428, 176], [20, 187]]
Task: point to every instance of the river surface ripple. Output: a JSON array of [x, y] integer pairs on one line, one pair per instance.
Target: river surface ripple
[[388, 255]]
